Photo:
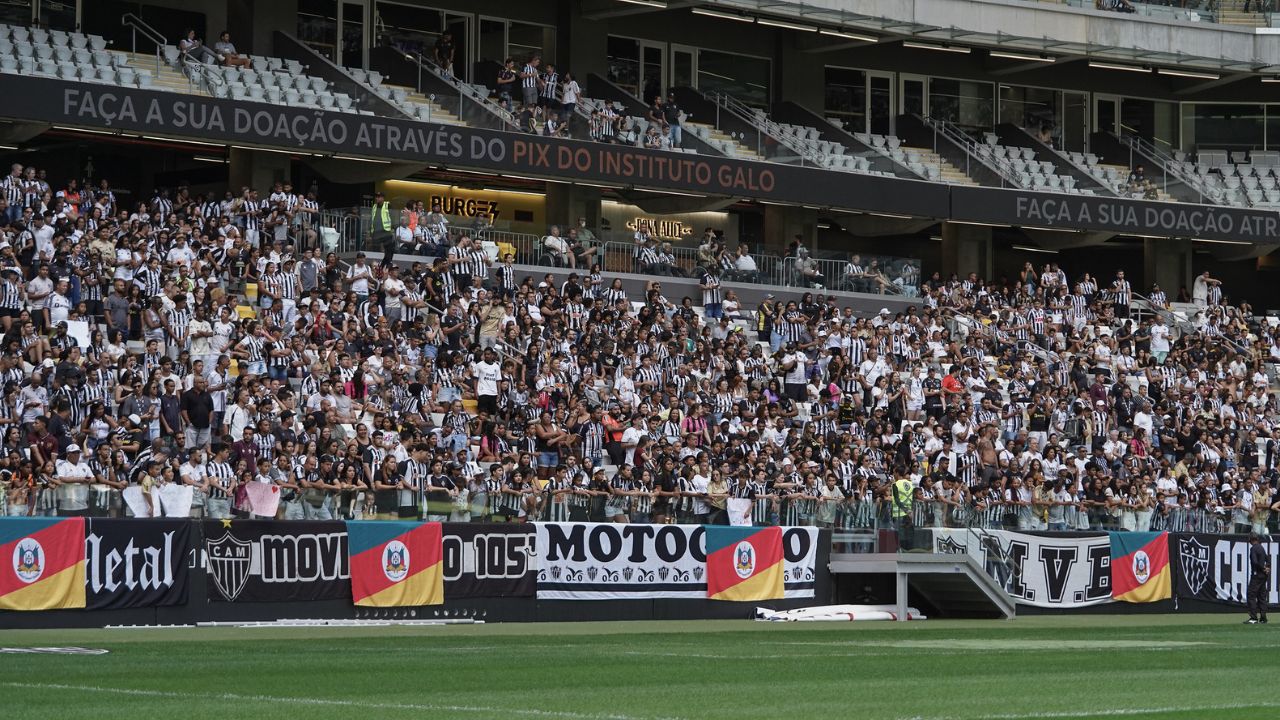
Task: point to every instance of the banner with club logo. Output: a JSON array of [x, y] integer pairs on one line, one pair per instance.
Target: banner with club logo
[[269, 561], [136, 563], [610, 561], [1042, 570], [1216, 567]]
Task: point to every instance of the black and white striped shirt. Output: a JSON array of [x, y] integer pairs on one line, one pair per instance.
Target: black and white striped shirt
[[219, 474]]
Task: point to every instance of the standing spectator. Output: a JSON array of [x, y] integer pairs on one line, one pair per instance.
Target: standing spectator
[[506, 83], [549, 89], [443, 53], [569, 94], [529, 79], [671, 116]]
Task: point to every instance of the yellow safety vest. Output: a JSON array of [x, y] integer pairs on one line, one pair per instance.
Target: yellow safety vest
[[384, 216], [903, 495]]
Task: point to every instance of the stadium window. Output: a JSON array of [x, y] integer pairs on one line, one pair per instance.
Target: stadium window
[[1223, 126], [1272, 136], [501, 38], [623, 57], [1157, 122], [414, 29], [17, 12], [963, 102], [56, 14], [318, 26], [744, 77], [846, 96]]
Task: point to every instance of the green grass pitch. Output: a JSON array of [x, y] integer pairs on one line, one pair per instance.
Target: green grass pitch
[[1151, 666]]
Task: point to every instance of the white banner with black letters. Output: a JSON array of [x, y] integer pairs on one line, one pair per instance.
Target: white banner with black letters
[[612, 561], [1042, 570]]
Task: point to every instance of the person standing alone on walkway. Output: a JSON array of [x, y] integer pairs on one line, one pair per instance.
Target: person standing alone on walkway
[[1259, 580]]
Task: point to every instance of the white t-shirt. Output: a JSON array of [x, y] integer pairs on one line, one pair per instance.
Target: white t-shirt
[[629, 436], [700, 484], [487, 377], [795, 375], [1160, 338]]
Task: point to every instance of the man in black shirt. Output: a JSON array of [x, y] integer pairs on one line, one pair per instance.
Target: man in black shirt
[[671, 115], [444, 53], [1259, 580]]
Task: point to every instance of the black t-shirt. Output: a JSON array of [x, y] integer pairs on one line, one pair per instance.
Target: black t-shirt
[[671, 113], [455, 339]]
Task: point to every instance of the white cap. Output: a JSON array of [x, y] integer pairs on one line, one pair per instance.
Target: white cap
[[135, 418], [73, 448], [884, 311]]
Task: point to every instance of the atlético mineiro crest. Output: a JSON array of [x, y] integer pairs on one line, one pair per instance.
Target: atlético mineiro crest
[[229, 559], [395, 561], [1195, 563], [1141, 567], [744, 559], [28, 560]]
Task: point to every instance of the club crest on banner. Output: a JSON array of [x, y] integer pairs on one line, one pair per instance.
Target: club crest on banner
[[1141, 567], [744, 559], [229, 560], [395, 561], [28, 560], [1195, 563]]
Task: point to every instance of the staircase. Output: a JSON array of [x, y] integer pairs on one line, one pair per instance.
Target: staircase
[[947, 172], [1122, 172], [438, 113], [1231, 12], [169, 78], [721, 140]]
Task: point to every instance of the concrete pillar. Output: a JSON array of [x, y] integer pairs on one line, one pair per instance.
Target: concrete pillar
[[783, 223], [1167, 262], [258, 170], [966, 249], [567, 203]]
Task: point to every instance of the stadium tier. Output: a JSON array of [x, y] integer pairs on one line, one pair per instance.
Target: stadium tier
[[338, 311]]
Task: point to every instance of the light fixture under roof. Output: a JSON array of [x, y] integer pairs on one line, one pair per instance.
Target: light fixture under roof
[[647, 3], [939, 48], [1188, 74], [787, 25], [1127, 68], [848, 35], [723, 15], [1021, 56]]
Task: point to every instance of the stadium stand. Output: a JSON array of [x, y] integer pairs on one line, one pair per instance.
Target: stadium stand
[[223, 339]]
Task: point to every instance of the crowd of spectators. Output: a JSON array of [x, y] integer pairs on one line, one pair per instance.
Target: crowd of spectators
[[136, 352]]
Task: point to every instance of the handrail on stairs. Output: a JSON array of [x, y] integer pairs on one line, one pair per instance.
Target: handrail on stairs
[[138, 25], [465, 90], [970, 147], [763, 125], [1168, 164]]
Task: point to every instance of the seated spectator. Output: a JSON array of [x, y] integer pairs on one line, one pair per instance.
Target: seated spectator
[[194, 48], [629, 134], [744, 266], [807, 269], [652, 140], [227, 52], [557, 248], [1123, 6], [652, 261]]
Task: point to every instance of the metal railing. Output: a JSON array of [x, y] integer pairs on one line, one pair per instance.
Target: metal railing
[[765, 127], [973, 152], [1169, 165], [198, 72], [138, 25], [470, 99]]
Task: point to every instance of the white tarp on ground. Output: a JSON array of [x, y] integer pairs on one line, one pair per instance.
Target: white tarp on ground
[[836, 613]]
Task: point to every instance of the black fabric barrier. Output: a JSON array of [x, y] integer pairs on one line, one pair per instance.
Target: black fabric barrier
[[293, 572], [1215, 568], [142, 112], [137, 563], [134, 110]]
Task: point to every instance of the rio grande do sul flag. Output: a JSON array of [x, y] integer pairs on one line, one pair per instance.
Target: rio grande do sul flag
[[744, 563], [396, 564], [1140, 567], [41, 563]]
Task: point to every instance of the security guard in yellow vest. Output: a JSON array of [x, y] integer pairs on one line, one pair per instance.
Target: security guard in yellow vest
[[382, 228], [902, 494]]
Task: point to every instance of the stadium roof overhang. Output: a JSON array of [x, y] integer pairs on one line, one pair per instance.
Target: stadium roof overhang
[[396, 147], [896, 21]]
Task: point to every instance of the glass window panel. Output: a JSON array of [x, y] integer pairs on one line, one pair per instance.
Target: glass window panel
[[524, 40], [742, 77], [624, 63], [493, 41], [1273, 127], [846, 97], [409, 29], [963, 102], [318, 26], [353, 35], [1209, 126]]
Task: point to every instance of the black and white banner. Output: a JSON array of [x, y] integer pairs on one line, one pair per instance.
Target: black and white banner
[[136, 563], [1041, 570], [1216, 567], [269, 561], [611, 561], [488, 560]]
